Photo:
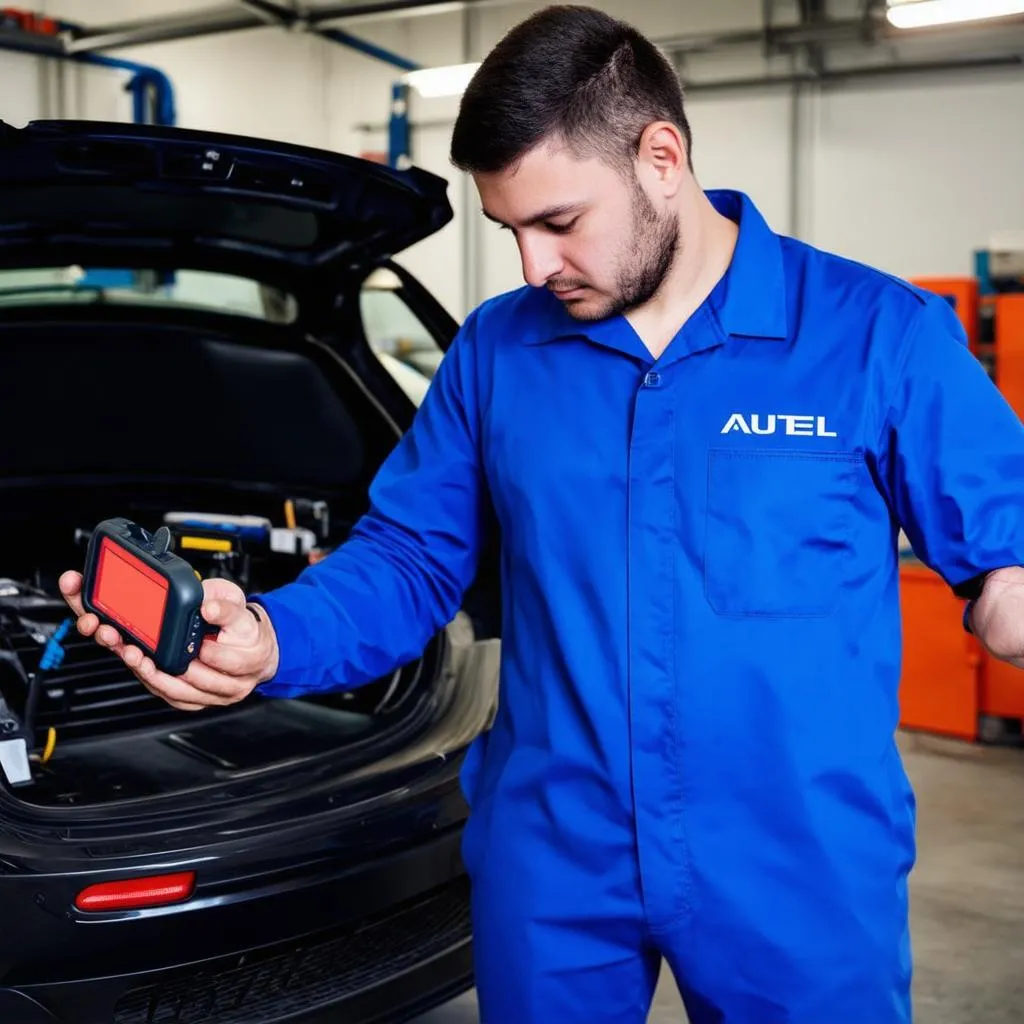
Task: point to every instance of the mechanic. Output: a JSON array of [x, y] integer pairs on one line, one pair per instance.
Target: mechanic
[[700, 440]]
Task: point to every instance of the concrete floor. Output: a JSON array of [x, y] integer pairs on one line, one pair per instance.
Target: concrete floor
[[967, 891]]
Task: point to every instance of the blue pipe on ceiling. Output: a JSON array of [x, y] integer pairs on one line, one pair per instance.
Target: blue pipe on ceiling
[[398, 122], [336, 35], [146, 80]]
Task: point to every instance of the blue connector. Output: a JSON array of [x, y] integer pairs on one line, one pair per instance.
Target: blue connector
[[53, 653]]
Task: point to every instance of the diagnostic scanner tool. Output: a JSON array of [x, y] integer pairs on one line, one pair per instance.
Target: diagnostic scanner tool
[[135, 583]]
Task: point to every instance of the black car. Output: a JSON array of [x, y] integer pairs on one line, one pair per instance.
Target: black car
[[192, 335]]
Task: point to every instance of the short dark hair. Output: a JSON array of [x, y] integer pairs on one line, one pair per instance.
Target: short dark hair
[[571, 74]]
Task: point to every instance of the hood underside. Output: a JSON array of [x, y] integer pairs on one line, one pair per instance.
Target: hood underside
[[139, 195]]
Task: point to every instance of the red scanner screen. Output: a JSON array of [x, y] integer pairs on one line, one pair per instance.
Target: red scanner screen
[[130, 592]]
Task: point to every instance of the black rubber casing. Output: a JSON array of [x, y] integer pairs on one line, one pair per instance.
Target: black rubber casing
[[183, 628]]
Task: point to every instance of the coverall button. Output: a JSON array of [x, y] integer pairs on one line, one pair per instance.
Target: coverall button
[[652, 379]]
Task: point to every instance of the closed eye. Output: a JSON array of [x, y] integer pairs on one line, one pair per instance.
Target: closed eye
[[544, 219]]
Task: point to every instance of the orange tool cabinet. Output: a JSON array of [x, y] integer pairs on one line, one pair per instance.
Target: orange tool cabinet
[[950, 685], [940, 688]]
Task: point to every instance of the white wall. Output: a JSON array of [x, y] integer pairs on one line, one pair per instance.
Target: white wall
[[742, 141], [23, 93], [911, 176], [918, 175]]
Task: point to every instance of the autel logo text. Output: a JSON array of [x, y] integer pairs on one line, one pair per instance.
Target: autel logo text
[[777, 423]]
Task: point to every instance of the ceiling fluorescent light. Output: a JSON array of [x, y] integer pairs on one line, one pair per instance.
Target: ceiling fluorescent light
[[927, 13], [450, 80]]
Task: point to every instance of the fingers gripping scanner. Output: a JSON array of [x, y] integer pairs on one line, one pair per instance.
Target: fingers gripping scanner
[[135, 583]]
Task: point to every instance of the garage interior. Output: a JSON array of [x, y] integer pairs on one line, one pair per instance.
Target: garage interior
[[902, 147]]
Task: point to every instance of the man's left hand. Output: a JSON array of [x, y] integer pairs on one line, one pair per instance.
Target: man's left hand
[[997, 618]]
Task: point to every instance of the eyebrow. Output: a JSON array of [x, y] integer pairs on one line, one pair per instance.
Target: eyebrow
[[549, 214]]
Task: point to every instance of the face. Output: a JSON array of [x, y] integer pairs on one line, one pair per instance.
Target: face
[[596, 240]]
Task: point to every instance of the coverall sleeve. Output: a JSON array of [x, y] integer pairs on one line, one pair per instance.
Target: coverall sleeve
[[376, 600], [952, 455]]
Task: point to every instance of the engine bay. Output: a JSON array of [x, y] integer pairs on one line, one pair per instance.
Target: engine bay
[[77, 727]]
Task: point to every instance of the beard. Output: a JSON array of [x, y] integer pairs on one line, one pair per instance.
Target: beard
[[642, 266]]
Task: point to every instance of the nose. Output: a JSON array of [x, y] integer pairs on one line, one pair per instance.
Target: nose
[[541, 259]]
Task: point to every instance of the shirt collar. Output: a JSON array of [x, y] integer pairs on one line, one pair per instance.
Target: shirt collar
[[749, 301]]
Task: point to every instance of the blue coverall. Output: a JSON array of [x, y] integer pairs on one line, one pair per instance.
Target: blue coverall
[[694, 752]]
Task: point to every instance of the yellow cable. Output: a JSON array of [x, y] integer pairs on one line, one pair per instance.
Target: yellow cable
[[205, 544], [289, 514], [51, 742]]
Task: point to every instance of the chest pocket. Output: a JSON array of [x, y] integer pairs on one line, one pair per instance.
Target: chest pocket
[[778, 530]]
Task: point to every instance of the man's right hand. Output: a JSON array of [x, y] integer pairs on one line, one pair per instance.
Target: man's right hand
[[229, 666]]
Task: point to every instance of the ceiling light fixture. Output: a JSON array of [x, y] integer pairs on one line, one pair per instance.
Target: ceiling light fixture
[[450, 80], [928, 13]]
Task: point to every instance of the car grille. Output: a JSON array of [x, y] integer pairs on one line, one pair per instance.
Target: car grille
[[91, 694], [305, 976]]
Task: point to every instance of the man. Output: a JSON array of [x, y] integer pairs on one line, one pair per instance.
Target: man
[[700, 440]]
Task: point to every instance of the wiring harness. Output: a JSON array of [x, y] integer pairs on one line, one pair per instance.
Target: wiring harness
[[17, 735]]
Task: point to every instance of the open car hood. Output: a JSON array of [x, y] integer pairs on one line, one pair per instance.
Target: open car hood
[[128, 195]]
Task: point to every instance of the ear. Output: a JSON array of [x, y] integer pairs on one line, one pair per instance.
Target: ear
[[662, 153]]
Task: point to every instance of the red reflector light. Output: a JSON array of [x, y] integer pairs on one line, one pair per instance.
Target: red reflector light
[[133, 893]]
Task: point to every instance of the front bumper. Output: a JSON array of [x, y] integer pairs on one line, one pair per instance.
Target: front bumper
[[367, 917], [397, 942]]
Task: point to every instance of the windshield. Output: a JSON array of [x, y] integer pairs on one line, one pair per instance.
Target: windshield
[[194, 289]]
